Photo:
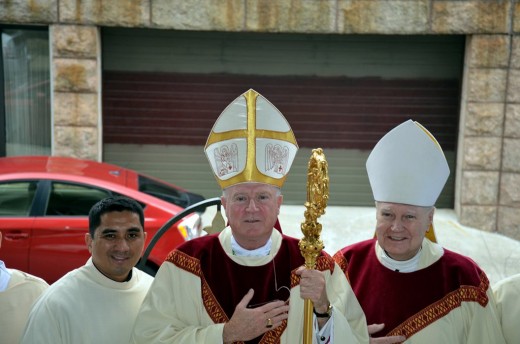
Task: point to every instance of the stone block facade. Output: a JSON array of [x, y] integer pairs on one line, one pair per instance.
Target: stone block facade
[[76, 78], [487, 192]]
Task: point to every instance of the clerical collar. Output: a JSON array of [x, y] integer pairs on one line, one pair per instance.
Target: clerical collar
[[409, 265], [259, 252], [5, 276]]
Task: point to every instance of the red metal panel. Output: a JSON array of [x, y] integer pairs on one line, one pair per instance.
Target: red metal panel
[[329, 112]]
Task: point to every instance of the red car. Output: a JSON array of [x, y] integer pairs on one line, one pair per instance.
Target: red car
[[44, 206]]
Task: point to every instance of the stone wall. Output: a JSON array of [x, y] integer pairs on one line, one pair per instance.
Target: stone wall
[[488, 167], [76, 75]]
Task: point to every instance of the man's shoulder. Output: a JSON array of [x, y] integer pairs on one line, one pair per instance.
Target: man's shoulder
[[67, 289], [510, 281], [357, 248], [294, 245], [459, 261], [195, 246], [144, 278], [290, 239], [195, 249], [462, 270], [354, 253], [23, 279]]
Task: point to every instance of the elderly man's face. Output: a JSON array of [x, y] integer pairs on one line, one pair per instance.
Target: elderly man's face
[[401, 228], [252, 209]]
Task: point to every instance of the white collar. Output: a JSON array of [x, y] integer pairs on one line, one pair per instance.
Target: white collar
[[409, 265], [5, 276], [258, 252]]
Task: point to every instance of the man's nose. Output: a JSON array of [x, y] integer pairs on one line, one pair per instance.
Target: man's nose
[[251, 205], [122, 244], [396, 225]]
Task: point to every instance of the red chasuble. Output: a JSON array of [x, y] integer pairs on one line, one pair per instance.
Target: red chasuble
[[409, 302], [224, 283]]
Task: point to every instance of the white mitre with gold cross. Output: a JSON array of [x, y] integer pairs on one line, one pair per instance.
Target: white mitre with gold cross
[[251, 141], [407, 166]]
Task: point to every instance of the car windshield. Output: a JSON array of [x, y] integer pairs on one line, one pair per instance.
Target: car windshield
[[163, 191]]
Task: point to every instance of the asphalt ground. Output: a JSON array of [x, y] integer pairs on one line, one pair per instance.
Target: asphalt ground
[[496, 254]]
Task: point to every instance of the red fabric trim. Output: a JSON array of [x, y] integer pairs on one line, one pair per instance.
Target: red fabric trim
[[342, 262], [192, 265]]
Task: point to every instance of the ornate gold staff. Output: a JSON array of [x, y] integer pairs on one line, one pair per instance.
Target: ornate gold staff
[[311, 244]]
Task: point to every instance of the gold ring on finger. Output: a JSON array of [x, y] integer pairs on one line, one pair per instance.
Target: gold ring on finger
[[269, 323]]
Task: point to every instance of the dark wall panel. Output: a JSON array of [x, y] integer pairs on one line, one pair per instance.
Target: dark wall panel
[[330, 112]]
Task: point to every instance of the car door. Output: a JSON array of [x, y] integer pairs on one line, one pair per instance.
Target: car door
[[58, 237], [16, 222]]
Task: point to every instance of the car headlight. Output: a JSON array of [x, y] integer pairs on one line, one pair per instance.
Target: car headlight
[[191, 226]]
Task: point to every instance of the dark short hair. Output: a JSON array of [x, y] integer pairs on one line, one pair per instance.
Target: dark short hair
[[109, 204]]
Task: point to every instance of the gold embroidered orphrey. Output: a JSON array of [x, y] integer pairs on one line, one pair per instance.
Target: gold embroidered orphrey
[[311, 244]]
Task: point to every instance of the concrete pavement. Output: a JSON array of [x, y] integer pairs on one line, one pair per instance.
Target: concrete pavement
[[497, 255]]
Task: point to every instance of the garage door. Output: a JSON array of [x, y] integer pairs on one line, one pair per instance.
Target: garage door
[[163, 90]]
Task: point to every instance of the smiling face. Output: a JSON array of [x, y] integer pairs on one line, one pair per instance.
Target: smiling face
[[401, 228], [252, 209], [117, 244]]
